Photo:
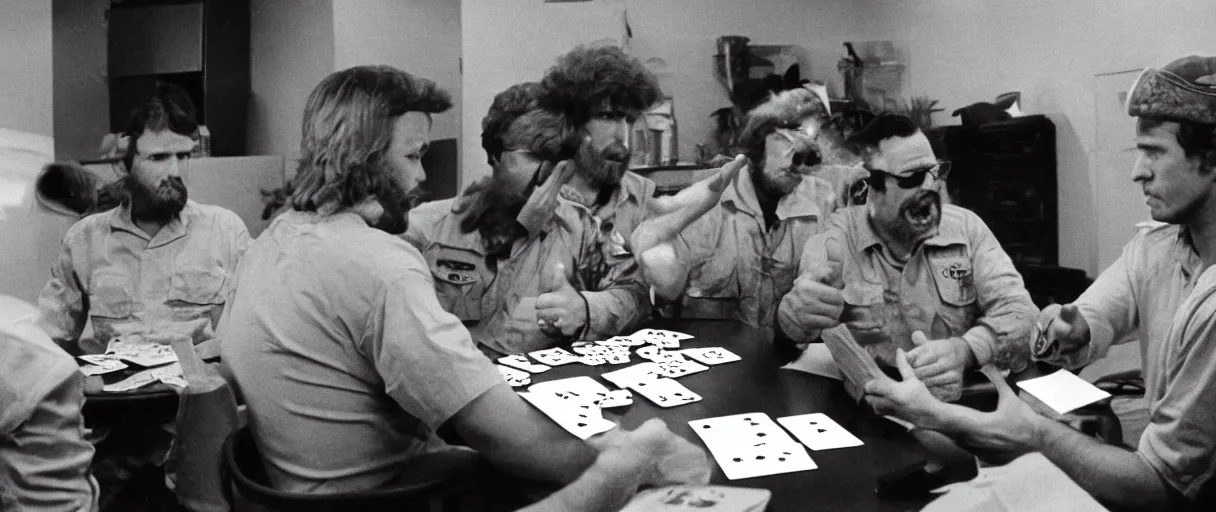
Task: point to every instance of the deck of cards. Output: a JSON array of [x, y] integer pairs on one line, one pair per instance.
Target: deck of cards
[[170, 374]]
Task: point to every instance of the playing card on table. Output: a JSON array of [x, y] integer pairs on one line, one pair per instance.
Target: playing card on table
[[583, 348], [519, 362], [618, 398], [513, 376], [711, 355], [100, 364], [1063, 391], [582, 420], [139, 379], [819, 432], [665, 392], [748, 445], [143, 354], [628, 376], [711, 498], [593, 359], [554, 356], [623, 341], [675, 368], [665, 339], [656, 353]]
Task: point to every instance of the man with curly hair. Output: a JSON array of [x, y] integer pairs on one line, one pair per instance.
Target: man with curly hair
[[739, 258], [519, 266]]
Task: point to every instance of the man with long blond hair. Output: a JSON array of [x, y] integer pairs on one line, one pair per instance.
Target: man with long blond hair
[[347, 360]]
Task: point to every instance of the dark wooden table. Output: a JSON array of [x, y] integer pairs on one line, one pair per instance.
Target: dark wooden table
[[151, 404], [846, 477]]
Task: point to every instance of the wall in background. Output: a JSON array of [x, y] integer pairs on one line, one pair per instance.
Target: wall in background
[[1051, 50], [31, 236], [81, 94], [25, 56], [510, 41], [292, 48]]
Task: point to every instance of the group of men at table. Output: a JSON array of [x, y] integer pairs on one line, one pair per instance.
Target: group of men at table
[[360, 322]]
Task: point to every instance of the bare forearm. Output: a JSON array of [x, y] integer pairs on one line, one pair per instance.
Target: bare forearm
[[1109, 473], [603, 487]]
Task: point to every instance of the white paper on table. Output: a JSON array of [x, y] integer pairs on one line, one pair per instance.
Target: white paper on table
[[816, 360], [1063, 391]]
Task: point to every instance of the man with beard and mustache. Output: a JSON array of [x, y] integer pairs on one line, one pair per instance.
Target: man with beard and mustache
[[347, 360], [1159, 293], [525, 278], [906, 272], [737, 259], [157, 265]]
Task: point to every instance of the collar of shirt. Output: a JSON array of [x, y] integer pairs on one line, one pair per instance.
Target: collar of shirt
[[948, 231], [120, 219], [799, 202], [1185, 254]]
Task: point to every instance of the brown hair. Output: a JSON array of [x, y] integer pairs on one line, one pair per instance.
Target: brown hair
[[347, 131]]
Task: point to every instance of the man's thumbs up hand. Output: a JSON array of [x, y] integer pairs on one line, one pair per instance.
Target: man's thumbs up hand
[[560, 309], [816, 301]]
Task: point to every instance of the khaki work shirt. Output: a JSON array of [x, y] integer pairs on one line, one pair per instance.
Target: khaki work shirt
[[739, 269], [1158, 292], [128, 283], [44, 459], [958, 283], [496, 298], [346, 359]]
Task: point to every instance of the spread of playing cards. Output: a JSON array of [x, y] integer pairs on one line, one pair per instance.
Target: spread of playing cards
[[744, 445], [159, 361]]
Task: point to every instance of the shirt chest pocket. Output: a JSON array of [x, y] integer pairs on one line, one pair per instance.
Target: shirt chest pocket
[[198, 286], [460, 280], [111, 294], [955, 284]]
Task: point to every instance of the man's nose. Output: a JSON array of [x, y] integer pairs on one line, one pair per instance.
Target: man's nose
[[1140, 170], [622, 129]]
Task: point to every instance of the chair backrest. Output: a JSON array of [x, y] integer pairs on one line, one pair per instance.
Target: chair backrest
[[244, 468]]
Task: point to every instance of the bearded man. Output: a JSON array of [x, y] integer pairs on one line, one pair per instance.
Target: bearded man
[[906, 272], [522, 268], [157, 265]]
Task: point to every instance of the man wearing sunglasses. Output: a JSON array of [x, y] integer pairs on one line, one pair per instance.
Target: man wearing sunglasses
[[521, 267], [905, 271]]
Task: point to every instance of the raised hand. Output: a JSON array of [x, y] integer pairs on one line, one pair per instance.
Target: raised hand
[[1060, 334], [560, 309]]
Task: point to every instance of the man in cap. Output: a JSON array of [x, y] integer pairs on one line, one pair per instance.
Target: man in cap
[[906, 271], [1160, 291]]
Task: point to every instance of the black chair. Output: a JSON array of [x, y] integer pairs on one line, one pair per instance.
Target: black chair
[[435, 480]]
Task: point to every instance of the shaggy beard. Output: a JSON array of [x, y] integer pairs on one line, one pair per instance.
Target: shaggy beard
[[603, 168], [919, 217], [397, 202], [494, 216], [160, 204]]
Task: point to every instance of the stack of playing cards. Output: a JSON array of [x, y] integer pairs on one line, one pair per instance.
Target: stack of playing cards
[[554, 356], [144, 354], [519, 362], [603, 352], [574, 404], [1063, 391], [751, 445]]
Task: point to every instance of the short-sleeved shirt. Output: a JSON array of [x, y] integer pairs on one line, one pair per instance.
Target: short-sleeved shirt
[[1158, 292], [738, 268], [128, 283], [345, 357], [958, 283], [496, 298], [44, 459]]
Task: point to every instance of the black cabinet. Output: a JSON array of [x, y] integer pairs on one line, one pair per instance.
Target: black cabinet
[[201, 46], [1006, 173]]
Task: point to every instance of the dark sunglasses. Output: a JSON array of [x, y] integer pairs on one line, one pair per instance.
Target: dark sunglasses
[[915, 178]]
